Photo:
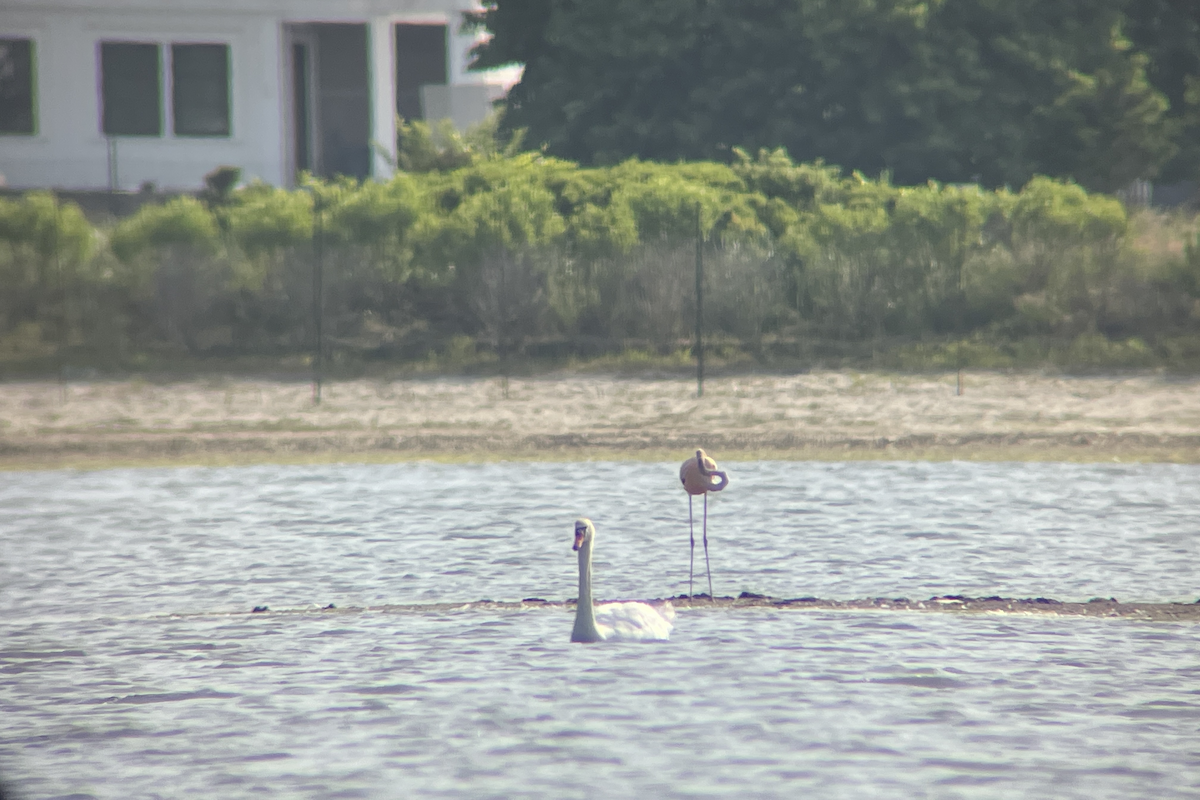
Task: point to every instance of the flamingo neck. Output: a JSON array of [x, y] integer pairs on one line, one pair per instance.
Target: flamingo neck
[[585, 614]]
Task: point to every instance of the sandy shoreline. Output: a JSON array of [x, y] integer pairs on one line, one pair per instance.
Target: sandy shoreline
[[820, 415]]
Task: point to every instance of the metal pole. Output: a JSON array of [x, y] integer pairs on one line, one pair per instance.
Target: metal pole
[[63, 332], [114, 179], [318, 287], [699, 306], [112, 165], [502, 319], [962, 301]]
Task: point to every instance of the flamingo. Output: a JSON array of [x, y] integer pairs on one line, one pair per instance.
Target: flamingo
[[700, 475], [630, 622]]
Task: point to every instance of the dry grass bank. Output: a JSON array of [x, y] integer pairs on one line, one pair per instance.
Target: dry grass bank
[[578, 416]]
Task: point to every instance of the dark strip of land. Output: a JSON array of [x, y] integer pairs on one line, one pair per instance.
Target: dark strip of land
[[167, 448], [945, 604]]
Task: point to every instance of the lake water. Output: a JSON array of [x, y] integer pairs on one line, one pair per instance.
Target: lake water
[[128, 667]]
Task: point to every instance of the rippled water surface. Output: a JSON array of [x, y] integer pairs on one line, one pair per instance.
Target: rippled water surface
[[128, 668]]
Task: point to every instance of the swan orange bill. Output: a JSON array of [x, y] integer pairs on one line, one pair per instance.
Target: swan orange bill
[[700, 475]]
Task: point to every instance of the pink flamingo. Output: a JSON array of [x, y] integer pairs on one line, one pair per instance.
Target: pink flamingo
[[700, 475]]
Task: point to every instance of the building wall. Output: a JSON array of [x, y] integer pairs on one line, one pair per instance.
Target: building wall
[[69, 149], [464, 105]]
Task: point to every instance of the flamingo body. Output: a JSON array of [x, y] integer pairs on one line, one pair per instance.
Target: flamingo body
[[694, 481], [700, 476]]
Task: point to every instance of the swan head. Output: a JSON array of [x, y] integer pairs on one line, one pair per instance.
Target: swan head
[[584, 531]]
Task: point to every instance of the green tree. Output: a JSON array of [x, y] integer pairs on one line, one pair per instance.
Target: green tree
[[992, 91], [1168, 33]]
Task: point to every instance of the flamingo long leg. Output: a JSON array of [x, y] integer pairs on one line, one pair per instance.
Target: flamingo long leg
[[707, 569], [692, 552]]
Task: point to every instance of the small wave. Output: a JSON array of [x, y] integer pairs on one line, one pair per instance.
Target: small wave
[[923, 681], [395, 688], [169, 697]]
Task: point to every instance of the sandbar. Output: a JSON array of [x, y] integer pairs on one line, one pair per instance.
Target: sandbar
[[836, 414]]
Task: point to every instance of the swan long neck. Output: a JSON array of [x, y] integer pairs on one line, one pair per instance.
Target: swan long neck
[[585, 614]]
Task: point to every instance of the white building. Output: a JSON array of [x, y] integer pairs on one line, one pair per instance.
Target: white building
[[114, 94]]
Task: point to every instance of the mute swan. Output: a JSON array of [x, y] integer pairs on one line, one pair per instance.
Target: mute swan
[[697, 475], [630, 622]]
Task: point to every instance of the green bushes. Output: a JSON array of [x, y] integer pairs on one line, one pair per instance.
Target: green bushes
[[46, 248], [520, 253], [182, 221]]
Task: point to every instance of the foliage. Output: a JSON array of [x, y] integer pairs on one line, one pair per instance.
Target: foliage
[[525, 255], [1168, 33], [182, 221], [47, 229], [990, 91], [266, 218], [442, 148], [50, 247]]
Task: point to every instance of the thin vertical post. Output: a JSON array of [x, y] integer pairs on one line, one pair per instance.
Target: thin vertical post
[[64, 331], [112, 165], [502, 320], [961, 303], [699, 306], [318, 294], [114, 177]]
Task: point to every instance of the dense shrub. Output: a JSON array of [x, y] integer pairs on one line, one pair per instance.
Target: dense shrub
[[526, 253]]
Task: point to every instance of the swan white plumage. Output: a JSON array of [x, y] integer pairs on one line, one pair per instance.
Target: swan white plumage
[[629, 622]]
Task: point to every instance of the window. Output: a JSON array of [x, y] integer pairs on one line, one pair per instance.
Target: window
[[200, 89], [16, 86], [131, 89]]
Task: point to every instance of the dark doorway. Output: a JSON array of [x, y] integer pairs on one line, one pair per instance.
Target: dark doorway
[[420, 61], [343, 100], [301, 129]]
